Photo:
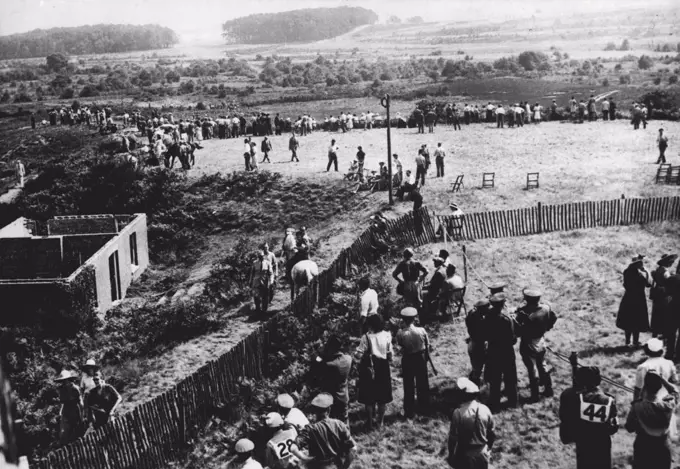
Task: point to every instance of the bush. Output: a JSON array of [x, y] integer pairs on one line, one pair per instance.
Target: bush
[[89, 91], [23, 98], [672, 80], [530, 60], [605, 82], [657, 80], [618, 67], [610, 46], [625, 45], [645, 62], [228, 282], [56, 62], [624, 79], [67, 93], [200, 106]]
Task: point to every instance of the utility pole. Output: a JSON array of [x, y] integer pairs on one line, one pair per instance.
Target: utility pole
[[385, 102]]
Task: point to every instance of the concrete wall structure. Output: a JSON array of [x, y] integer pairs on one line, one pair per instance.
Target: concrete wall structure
[[71, 269]]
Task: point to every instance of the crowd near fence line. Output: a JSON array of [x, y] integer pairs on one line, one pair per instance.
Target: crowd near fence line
[[157, 431]]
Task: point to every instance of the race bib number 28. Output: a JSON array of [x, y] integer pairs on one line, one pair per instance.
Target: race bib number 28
[[283, 449]]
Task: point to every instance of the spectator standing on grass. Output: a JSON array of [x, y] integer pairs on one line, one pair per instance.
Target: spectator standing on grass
[[271, 258], [334, 367], [475, 323], [612, 109], [396, 162], [328, 441], [534, 320], [244, 456], [415, 348], [101, 402], [537, 113], [592, 115], [471, 434], [246, 154], [500, 358], [660, 294], [71, 416], [332, 156], [662, 142], [417, 199], [553, 111], [278, 453], [412, 273], [605, 110], [421, 167], [361, 158], [573, 108], [633, 316], [374, 355], [293, 146], [439, 155], [90, 369], [588, 417], [261, 280], [407, 185], [663, 367], [368, 301], [650, 417], [253, 155], [266, 148], [291, 414], [500, 116]]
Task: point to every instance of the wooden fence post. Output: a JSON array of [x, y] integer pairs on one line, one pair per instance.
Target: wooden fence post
[[539, 219], [465, 263]]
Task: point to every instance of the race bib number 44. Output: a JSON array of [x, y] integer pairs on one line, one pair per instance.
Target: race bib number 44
[[597, 413]]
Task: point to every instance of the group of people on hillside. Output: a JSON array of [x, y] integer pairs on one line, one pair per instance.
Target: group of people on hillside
[[86, 400]]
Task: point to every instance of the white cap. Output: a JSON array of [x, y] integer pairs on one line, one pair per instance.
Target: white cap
[[654, 345], [467, 386]]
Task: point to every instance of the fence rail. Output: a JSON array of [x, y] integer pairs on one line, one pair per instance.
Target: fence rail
[[563, 217], [150, 436]]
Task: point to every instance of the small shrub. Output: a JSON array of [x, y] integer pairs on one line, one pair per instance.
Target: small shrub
[[645, 62], [605, 82], [200, 106], [657, 81], [624, 79], [672, 80], [67, 93], [618, 67]]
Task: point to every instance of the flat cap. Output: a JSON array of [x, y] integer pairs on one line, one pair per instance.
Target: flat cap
[[443, 253], [497, 298], [409, 312], [497, 287], [244, 445], [274, 420], [531, 293], [483, 303], [654, 345], [285, 400], [408, 251], [467, 386], [437, 260], [323, 401]]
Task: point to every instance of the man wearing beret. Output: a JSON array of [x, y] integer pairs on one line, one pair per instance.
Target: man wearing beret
[[290, 413], [415, 347], [534, 320], [278, 452], [328, 441], [588, 418], [500, 362], [472, 430], [244, 456], [476, 344]]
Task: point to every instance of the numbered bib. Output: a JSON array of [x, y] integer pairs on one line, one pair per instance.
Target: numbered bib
[[282, 445], [591, 412]]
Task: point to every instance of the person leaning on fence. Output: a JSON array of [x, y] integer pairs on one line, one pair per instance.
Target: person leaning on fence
[[101, 402], [413, 273], [633, 317], [415, 348], [471, 434], [588, 417], [71, 415], [328, 442], [534, 320], [291, 414], [475, 323], [374, 355], [278, 454], [244, 456], [650, 417]]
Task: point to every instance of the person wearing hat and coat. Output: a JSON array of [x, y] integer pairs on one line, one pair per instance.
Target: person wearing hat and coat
[[665, 368], [328, 441], [673, 317], [650, 417], [415, 348], [633, 316], [412, 273], [475, 323], [291, 414], [434, 288], [244, 456], [500, 336], [471, 434], [90, 368], [534, 320], [660, 295], [334, 368], [588, 417], [278, 453], [71, 416]]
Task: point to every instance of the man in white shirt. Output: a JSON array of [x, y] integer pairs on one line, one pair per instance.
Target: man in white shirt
[[244, 456], [439, 155], [500, 117], [605, 110], [490, 108], [21, 173], [663, 367], [332, 156], [421, 168], [369, 301]]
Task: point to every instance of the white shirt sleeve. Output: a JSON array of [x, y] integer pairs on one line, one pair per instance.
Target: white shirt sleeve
[[365, 303]]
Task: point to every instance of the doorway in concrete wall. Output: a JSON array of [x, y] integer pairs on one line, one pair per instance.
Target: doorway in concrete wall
[[114, 276]]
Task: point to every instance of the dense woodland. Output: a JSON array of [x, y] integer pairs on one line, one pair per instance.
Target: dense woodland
[[306, 25], [91, 39]]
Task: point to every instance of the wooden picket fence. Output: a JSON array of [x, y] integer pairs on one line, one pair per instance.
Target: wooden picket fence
[[151, 435], [563, 217]]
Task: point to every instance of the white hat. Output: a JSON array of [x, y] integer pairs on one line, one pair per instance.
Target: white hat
[[274, 420], [654, 345], [467, 386], [65, 374]]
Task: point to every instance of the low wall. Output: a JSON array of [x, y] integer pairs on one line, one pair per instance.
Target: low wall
[[83, 224], [30, 258], [79, 248]]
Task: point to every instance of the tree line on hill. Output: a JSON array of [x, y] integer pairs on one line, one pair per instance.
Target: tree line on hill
[[91, 39], [312, 24]]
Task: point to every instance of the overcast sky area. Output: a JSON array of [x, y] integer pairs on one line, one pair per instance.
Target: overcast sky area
[[200, 20]]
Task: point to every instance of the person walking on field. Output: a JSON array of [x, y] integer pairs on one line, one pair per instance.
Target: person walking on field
[[662, 142], [650, 418], [471, 434], [633, 316], [415, 347], [293, 146], [374, 355], [261, 279], [588, 417], [439, 155], [332, 156], [266, 148]]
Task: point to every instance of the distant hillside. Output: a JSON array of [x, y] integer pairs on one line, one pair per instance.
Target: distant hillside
[[95, 39], [306, 25]]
